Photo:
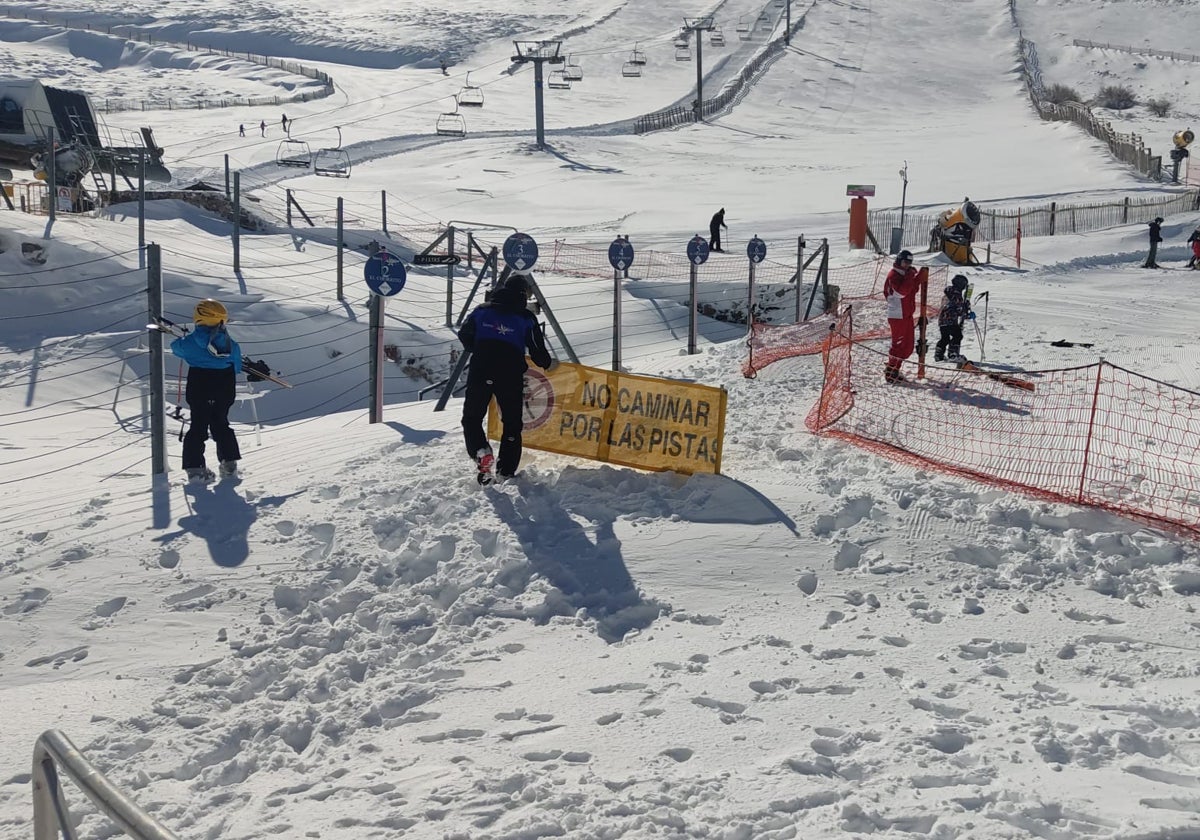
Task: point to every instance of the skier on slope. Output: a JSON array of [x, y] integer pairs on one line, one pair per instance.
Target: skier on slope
[[955, 309], [1155, 238], [714, 230], [900, 291], [214, 360], [497, 334]]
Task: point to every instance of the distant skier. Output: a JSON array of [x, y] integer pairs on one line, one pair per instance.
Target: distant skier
[[1194, 241], [1155, 238], [955, 309], [498, 333], [445, 71], [262, 126], [214, 360], [714, 230], [900, 291], [284, 122], [242, 130]]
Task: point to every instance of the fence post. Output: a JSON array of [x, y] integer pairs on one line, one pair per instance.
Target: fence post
[[799, 273], [1125, 212], [450, 278], [158, 403], [1053, 207], [340, 254], [237, 222], [1087, 446]]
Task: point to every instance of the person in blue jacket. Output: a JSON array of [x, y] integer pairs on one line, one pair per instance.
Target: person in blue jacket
[[498, 334], [214, 361]]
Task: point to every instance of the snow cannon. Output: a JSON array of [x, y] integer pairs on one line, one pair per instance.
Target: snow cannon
[[955, 231], [1183, 139], [71, 163]]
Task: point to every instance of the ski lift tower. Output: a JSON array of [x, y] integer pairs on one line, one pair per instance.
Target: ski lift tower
[[697, 26], [539, 53]]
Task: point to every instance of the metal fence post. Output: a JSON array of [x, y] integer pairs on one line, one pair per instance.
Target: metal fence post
[[691, 307], [340, 255], [237, 222], [158, 403]]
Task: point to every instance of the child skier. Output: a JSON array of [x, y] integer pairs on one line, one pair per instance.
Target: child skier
[[1194, 241], [955, 309], [900, 291], [214, 360]]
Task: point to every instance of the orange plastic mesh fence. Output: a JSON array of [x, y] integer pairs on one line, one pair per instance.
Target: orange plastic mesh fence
[[861, 287], [1099, 435]]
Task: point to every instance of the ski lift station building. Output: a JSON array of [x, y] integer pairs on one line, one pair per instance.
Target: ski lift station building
[[28, 109]]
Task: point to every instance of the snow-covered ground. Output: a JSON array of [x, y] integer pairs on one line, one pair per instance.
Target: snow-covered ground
[[354, 640]]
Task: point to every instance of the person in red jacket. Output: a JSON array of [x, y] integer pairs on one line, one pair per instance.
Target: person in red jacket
[[900, 291]]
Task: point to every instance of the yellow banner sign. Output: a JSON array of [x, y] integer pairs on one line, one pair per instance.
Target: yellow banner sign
[[620, 418]]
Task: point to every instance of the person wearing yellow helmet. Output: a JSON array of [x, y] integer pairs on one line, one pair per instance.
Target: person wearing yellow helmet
[[214, 360]]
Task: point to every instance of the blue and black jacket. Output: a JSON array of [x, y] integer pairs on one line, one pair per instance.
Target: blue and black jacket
[[499, 333], [209, 348]]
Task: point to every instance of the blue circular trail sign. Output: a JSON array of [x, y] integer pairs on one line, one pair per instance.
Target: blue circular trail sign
[[697, 250], [385, 274], [620, 254], [756, 250], [520, 251]]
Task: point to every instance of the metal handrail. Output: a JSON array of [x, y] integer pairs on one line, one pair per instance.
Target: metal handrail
[[51, 820]]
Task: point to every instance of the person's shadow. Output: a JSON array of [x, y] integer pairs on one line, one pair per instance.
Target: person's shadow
[[221, 518]]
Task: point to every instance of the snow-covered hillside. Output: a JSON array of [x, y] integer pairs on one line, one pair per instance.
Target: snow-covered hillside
[[355, 640]]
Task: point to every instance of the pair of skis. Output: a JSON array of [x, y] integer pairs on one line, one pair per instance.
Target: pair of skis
[[1003, 378], [171, 328]]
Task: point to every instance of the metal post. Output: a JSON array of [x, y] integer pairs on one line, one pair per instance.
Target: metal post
[[616, 351], [158, 403], [699, 75], [51, 187], [237, 222], [375, 399], [288, 208], [750, 301], [383, 206], [692, 309], [141, 208], [227, 176], [340, 255], [450, 277], [799, 273], [537, 97], [787, 32]]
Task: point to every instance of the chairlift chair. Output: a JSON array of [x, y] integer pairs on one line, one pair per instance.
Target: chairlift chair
[[558, 80], [631, 70], [572, 72], [681, 41], [743, 29], [451, 123], [683, 53], [779, 4], [716, 37], [471, 96], [637, 56], [292, 152], [332, 162]]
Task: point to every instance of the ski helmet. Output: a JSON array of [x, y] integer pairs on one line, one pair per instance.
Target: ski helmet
[[210, 313], [904, 255], [959, 281]]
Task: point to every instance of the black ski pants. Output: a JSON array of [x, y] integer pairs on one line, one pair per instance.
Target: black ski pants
[[714, 239], [952, 336], [509, 390], [210, 394]]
